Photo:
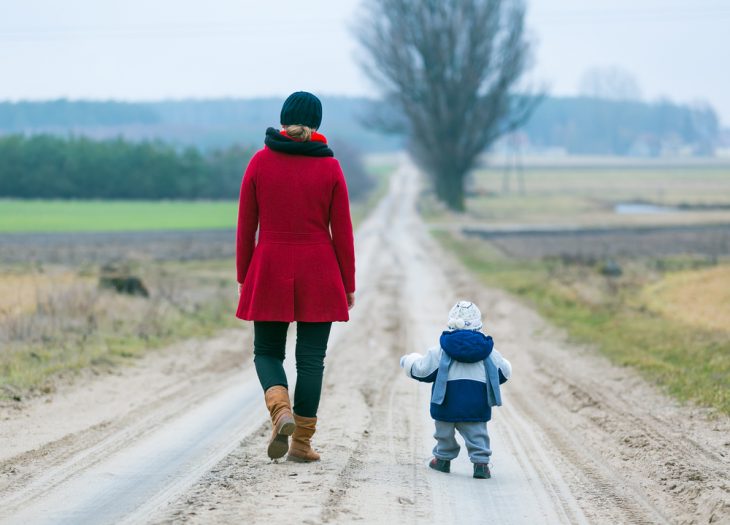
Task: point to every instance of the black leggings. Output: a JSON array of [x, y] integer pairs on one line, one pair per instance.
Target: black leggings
[[269, 348]]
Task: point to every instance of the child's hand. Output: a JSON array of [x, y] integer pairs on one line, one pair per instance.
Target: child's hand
[[406, 362]]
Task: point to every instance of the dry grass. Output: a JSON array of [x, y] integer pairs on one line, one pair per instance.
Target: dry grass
[[586, 195], [60, 326], [21, 290], [699, 298], [666, 184]]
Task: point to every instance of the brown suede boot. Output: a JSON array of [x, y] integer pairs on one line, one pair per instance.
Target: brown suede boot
[[277, 401], [301, 441]]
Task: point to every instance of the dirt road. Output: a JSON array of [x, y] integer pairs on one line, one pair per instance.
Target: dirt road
[[577, 440]]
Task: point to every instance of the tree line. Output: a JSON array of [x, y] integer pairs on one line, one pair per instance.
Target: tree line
[[580, 125], [48, 166], [23, 115], [583, 125]]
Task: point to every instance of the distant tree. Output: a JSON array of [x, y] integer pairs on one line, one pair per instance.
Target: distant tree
[[225, 169], [359, 181], [449, 68], [610, 83]]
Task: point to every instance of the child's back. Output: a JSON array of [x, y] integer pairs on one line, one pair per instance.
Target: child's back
[[466, 372]]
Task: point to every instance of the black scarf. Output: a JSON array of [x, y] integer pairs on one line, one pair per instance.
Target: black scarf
[[284, 144]]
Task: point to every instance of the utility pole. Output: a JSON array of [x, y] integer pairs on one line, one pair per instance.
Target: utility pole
[[513, 163]]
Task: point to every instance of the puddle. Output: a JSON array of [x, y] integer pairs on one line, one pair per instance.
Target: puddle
[[639, 208]]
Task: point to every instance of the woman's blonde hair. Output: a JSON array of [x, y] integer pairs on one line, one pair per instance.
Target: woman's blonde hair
[[299, 132]]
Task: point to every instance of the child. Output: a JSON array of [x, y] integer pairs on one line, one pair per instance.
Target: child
[[466, 373]]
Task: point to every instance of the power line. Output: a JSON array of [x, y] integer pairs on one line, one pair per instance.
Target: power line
[[638, 10], [274, 27], [633, 14], [163, 31]]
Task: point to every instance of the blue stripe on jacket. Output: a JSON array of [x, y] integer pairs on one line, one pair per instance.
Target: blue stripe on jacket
[[463, 399]]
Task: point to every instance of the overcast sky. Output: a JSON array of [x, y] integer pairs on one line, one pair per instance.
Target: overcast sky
[[153, 49]]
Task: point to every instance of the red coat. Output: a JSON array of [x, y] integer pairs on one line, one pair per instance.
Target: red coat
[[296, 271]]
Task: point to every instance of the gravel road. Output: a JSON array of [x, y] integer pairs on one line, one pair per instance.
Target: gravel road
[[578, 440]]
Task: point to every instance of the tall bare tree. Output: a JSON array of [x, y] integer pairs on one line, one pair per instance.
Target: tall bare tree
[[450, 69]]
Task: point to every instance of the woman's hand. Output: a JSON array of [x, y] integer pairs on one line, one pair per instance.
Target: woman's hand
[[350, 300], [240, 287]]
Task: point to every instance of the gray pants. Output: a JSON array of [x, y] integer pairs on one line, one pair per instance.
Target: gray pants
[[475, 437]]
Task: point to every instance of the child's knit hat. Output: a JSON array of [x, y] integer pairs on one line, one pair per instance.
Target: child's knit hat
[[465, 316]]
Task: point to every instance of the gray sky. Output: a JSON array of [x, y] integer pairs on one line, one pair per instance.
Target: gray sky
[[152, 49]]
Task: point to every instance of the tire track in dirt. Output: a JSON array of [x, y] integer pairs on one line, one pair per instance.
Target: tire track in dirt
[[47, 441], [100, 420], [381, 482], [643, 460], [524, 466], [359, 378]]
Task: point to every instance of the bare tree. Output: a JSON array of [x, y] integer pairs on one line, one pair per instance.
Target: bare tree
[[449, 69], [611, 83]]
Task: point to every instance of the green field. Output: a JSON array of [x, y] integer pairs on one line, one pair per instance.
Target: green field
[[75, 215], [25, 216]]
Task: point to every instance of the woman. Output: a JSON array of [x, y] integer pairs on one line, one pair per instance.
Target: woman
[[301, 269]]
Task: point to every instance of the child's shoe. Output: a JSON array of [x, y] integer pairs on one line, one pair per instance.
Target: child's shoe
[[442, 465], [481, 471]]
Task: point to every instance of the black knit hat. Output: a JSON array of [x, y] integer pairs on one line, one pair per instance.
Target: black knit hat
[[302, 108]]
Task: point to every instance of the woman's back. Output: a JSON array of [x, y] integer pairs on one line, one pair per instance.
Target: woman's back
[[303, 264], [294, 193]]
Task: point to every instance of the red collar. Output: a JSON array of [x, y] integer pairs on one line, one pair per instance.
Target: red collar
[[316, 137]]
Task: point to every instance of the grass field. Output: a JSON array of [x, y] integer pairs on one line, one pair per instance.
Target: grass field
[[64, 216], [665, 315], [587, 195], [25, 216]]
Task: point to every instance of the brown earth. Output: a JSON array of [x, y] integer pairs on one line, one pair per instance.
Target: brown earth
[[595, 243]]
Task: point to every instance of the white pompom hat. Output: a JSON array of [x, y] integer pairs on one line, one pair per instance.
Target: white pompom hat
[[465, 316]]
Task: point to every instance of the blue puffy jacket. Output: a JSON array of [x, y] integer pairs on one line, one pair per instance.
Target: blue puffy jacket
[[466, 371]]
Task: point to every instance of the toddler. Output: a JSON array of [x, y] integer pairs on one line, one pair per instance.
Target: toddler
[[466, 372]]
